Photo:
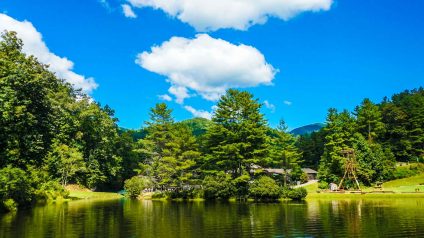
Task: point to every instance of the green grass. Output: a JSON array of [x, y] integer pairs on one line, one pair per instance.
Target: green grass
[[402, 188], [93, 195], [363, 196], [411, 181], [311, 188]]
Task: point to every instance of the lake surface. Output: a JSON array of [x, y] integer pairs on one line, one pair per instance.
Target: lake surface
[[127, 218]]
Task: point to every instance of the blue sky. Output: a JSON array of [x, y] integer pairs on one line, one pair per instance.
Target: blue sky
[[313, 58]]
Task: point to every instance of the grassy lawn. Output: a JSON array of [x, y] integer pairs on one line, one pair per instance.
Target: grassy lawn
[[402, 188], [93, 195], [411, 181]]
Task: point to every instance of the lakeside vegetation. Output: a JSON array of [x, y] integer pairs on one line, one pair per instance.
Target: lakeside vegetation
[[52, 135]]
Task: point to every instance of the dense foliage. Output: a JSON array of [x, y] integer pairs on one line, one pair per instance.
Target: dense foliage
[[135, 185], [49, 131], [380, 135], [265, 188]]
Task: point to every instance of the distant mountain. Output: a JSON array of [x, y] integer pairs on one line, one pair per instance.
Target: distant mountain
[[307, 129]]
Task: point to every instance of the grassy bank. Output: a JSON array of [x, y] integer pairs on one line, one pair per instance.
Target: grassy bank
[[401, 188], [93, 195], [77, 192]]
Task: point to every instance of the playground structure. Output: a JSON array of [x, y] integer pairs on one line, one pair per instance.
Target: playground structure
[[349, 168]]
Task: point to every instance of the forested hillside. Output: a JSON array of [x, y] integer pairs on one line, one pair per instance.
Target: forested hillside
[[381, 134]]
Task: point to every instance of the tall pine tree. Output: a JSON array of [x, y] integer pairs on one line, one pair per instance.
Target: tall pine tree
[[237, 138]]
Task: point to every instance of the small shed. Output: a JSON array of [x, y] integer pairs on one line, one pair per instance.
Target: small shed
[[312, 174]]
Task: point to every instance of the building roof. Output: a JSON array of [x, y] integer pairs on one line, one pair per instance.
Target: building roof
[[309, 171], [282, 171], [275, 171]]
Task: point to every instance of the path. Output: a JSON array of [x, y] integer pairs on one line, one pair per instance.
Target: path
[[306, 184]]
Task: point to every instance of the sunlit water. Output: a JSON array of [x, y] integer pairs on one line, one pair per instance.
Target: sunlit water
[[126, 218]]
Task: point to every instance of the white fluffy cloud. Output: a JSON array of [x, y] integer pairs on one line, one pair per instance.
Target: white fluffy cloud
[[198, 113], [165, 97], [207, 66], [128, 12], [288, 103], [238, 14], [269, 105], [34, 45]]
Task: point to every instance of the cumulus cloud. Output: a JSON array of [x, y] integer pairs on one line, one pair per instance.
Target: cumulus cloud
[[165, 97], [206, 66], [34, 45], [237, 14], [269, 105], [180, 93], [128, 12], [198, 113], [288, 103]]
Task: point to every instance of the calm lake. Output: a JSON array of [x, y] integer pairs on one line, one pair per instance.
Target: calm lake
[[126, 218]]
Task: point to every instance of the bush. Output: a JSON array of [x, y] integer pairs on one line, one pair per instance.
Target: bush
[[323, 185], [186, 194], [9, 205], [51, 190], [135, 185], [265, 188], [408, 171], [241, 185], [304, 177], [15, 185], [218, 187], [297, 194], [159, 195]]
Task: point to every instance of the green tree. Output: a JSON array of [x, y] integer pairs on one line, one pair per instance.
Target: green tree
[[65, 162], [404, 119], [373, 162], [15, 185], [312, 147], [369, 119], [158, 147], [285, 154], [25, 107], [237, 138], [186, 153], [339, 131]]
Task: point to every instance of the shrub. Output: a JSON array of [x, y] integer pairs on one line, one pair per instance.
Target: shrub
[[323, 185], [218, 186], [135, 185], [187, 194], [51, 190], [241, 185], [265, 188], [408, 171], [159, 195], [9, 205], [16, 185], [297, 194]]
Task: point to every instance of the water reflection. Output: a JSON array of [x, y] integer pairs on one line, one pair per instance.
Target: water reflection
[[127, 218]]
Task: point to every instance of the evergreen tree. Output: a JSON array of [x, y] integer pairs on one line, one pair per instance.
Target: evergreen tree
[[339, 131], [369, 119], [404, 119], [312, 147], [157, 148], [187, 154], [285, 154], [237, 138]]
